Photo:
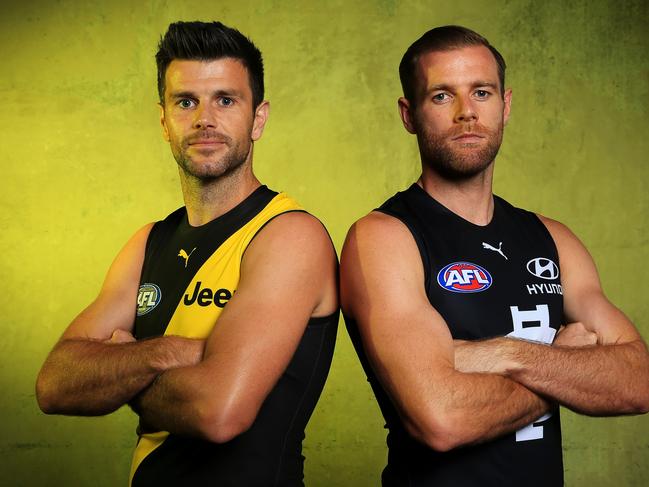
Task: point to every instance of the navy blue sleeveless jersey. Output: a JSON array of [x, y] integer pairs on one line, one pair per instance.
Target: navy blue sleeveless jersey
[[501, 279]]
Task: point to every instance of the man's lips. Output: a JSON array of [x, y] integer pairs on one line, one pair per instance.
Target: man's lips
[[468, 137], [206, 142]]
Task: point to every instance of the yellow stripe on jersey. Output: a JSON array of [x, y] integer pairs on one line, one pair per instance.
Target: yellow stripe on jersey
[[216, 281]]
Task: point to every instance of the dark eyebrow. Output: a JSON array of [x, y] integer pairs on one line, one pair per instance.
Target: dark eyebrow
[[227, 93], [442, 87], [175, 95], [477, 84], [485, 84], [181, 94]]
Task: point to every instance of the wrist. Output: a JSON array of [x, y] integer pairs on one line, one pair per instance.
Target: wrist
[[174, 351], [509, 353]]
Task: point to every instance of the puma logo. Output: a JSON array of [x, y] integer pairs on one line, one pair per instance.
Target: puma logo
[[185, 255], [491, 247]]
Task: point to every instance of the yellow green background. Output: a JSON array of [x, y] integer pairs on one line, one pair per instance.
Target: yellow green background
[[84, 165]]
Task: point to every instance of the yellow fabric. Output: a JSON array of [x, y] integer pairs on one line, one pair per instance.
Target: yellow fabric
[[220, 271]]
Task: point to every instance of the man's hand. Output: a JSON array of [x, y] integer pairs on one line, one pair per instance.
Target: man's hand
[[97, 366], [575, 335], [120, 336], [410, 347], [292, 263], [490, 356]]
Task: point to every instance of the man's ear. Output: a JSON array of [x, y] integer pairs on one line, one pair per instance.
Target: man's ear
[[165, 130], [407, 115], [507, 98], [261, 117]]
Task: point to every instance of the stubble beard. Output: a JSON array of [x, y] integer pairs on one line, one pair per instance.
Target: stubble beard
[[463, 161], [215, 166]]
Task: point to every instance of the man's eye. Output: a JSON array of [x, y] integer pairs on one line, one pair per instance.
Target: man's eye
[[440, 97], [225, 101], [185, 103], [482, 93]]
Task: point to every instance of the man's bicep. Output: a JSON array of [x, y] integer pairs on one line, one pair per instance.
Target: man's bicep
[[584, 299], [114, 307], [287, 276], [382, 288]]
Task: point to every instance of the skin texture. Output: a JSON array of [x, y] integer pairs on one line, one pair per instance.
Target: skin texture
[[213, 388], [609, 375], [458, 121], [439, 405], [96, 367], [449, 394]]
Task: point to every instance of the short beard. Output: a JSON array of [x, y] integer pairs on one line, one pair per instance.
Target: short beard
[[453, 164], [229, 162]]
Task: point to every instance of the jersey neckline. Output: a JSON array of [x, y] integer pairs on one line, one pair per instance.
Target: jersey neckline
[[426, 198], [251, 203]]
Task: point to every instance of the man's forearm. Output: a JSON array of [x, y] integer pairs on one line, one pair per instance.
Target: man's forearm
[[89, 377], [169, 404], [189, 401], [596, 380], [486, 406], [468, 408]]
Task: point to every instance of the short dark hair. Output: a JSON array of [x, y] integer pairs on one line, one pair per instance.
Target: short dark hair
[[444, 38], [208, 41]]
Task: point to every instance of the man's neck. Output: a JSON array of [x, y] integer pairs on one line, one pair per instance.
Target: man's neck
[[206, 200], [471, 199]]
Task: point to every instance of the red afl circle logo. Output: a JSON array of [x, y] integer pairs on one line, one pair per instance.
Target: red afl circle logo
[[464, 277]]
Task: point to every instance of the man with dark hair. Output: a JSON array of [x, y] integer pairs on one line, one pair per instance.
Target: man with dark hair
[[473, 318], [217, 324]]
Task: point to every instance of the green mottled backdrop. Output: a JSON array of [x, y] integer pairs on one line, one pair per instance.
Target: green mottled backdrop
[[84, 165]]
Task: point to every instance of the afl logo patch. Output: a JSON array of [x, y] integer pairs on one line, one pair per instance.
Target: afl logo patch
[[543, 268], [464, 277], [148, 297]]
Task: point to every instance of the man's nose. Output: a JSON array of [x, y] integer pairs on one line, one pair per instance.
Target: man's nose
[[205, 117], [465, 111]]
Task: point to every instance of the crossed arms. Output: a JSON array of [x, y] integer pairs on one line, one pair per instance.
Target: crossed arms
[[450, 394], [210, 388]]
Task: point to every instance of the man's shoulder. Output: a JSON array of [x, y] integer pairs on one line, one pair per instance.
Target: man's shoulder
[[379, 235], [294, 230], [380, 225], [560, 233]]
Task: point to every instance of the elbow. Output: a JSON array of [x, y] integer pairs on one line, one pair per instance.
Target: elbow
[[45, 394], [218, 425], [440, 432], [640, 404]]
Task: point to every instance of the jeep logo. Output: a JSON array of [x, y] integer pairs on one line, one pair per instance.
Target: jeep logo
[[205, 296]]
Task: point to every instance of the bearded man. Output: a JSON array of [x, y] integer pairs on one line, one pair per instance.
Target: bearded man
[[474, 319], [217, 324]]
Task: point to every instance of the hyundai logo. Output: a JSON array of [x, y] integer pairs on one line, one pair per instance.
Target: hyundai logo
[[543, 268]]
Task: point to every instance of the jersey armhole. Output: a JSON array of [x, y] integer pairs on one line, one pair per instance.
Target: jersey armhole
[[266, 223], [421, 245], [549, 236]]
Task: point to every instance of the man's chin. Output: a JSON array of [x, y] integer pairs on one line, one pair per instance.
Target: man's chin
[[460, 168]]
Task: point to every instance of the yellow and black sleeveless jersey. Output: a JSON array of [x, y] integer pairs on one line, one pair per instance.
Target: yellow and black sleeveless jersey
[[189, 275]]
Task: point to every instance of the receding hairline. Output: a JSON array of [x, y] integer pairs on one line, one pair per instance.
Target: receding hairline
[[479, 81], [443, 39]]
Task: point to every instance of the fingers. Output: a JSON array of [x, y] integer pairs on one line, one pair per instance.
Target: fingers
[[575, 335], [121, 336]]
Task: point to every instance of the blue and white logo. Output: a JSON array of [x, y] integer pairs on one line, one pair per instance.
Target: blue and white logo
[[464, 277], [148, 297]]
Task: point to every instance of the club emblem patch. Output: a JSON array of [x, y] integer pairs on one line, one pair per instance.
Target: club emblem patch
[[464, 277], [148, 297]]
